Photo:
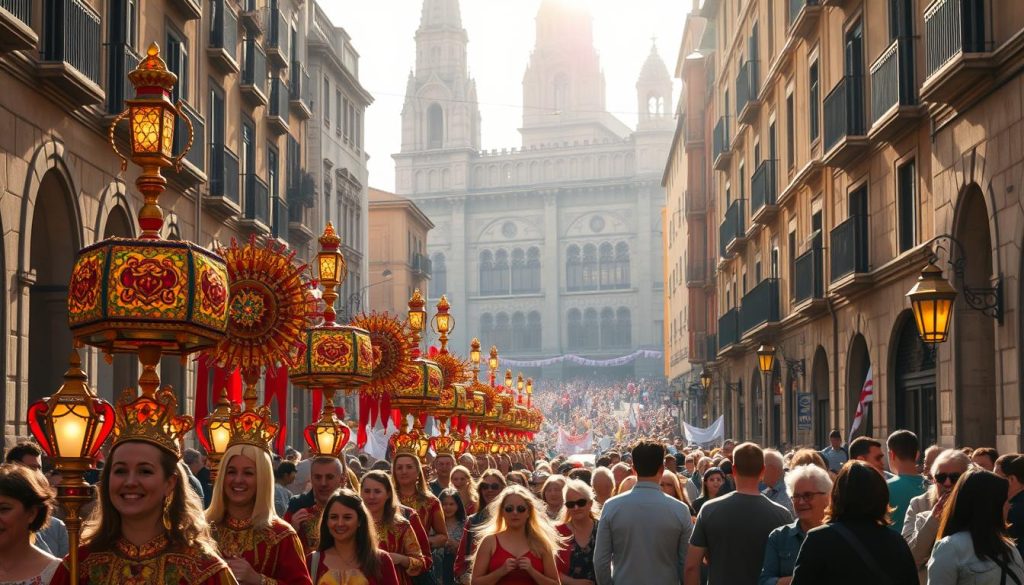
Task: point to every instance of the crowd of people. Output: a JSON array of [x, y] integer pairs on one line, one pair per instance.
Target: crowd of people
[[655, 513]]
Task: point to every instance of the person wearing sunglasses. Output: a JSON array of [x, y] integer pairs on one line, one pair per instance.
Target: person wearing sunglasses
[[517, 544], [490, 485], [579, 524], [809, 487], [921, 523]]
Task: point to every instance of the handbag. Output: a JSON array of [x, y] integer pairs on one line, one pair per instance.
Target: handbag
[[868, 560]]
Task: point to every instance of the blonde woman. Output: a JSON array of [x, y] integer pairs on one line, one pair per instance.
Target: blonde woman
[[255, 542], [517, 544], [553, 496], [462, 480], [579, 525]]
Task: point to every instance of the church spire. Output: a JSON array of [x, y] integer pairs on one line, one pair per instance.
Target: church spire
[[440, 14]]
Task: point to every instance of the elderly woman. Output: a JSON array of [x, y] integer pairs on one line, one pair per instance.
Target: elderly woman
[[809, 487], [921, 524], [553, 496]]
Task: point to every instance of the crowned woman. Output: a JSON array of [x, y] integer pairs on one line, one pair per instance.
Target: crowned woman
[[149, 525], [260, 547]]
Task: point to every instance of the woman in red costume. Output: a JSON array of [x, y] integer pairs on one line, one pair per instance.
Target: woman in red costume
[[348, 553], [394, 533], [413, 492]]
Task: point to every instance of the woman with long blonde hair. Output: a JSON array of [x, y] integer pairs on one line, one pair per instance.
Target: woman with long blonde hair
[[579, 526], [462, 480], [255, 542], [517, 544]]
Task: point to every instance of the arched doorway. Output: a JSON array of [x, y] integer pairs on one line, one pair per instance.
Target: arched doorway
[[974, 331], [774, 393], [54, 243], [113, 378], [913, 405], [858, 362], [757, 430], [821, 411]]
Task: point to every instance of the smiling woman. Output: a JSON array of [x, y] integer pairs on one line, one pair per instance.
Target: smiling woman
[[25, 502], [348, 546]]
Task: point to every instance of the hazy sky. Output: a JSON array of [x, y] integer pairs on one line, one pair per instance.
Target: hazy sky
[[501, 36]]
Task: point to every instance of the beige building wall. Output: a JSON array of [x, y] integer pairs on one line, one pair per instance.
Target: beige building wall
[[398, 237], [837, 225]]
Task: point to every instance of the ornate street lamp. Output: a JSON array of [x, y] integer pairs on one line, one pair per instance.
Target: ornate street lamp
[[766, 358], [417, 316], [492, 364], [529, 392], [474, 357], [508, 378], [932, 298], [215, 432], [705, 378]]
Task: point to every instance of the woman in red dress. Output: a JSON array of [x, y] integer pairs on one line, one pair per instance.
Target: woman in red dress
[[395, 534], [260, 548], [518, 544], [413, 491], [348, 553]]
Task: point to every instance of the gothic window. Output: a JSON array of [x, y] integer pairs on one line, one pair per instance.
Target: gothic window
[[502, 331], [486, 326], [655, 106], [575, 322], [501, 273], [624, 324], [435, 126], [533, 331], [561, 92], [519, 283], [622, 265], [518, 331], [591, 329], [608, 266], [439, 286], [486, 272], [573, 269], [608, 329], [590, 273], [533, 270]]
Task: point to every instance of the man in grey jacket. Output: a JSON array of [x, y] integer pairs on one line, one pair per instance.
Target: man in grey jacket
[[643, 534]]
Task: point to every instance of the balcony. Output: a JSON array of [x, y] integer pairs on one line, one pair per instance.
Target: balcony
[[760, 308], [256, 214], [190, 9], [301, 197], [729, 331], [894, 107], [277, 113], [807, 175], [277, 37], [281, 219], [848, 255], [223, 48], [845, 139], [251, 17], [764, 187], [254, 74], [809, 282], [693, 131], [748, 85], [72, 41], [223, 198], [121, 59], [732, 233], [695, 204], [193, 166], [299, 89], [803, 18], [957, 54], [696, 273], [421, 265], [721, 153], [16, 32]]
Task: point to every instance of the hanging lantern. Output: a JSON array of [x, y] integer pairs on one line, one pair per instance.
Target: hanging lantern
[[931, 299], [766, 358]]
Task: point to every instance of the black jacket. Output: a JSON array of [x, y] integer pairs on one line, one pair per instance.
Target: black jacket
[[826, 557], [300, 501]]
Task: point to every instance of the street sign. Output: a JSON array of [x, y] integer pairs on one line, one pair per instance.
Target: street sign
[[803, 411]]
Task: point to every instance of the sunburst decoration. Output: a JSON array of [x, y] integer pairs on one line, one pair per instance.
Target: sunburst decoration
[[392, 351], [267, 309], [453, 368]]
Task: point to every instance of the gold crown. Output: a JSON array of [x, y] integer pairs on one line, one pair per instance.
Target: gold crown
[[447, 445], [253, 426], [407, 443], [151, 418]]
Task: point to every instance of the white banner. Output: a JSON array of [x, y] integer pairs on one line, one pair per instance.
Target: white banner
[[582, 361], [573, 444], [377, 439], [705, 436]]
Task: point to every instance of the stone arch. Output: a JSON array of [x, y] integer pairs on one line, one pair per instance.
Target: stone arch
[[49, 156], [911, 397], [114, 222], [820, 409], [858, 362], [974, 333], [113, 200]]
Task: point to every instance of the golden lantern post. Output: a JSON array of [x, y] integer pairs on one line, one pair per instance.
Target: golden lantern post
[[474, 358], [443, 323], [492, 365], [215, 432], [529, 392]]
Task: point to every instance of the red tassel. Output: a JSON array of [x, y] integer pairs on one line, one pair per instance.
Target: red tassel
[[234, 383], [364, 417], [276, 384], [220, 378]]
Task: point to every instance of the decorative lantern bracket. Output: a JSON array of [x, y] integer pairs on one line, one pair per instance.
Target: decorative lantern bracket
[[988, 300]]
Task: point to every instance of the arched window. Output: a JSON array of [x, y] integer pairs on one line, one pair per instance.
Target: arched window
[[533, 270], [501, 273], [435, 126], [486, 269], [575, 322], [607, 262], [590, 274], [608, 329], [573, 268], [591, 329], [624, 324], [561, 92], [622, 265], [486, 327], [518, 331], [519, 284], [502, 331], [439, 278], [534, 331]]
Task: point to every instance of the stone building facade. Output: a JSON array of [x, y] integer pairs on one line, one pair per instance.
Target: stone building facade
[[849, 141], [398, 252], [553, 247]]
